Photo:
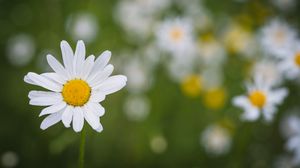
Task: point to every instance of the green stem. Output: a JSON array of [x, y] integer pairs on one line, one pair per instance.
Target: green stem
[[81, 149]]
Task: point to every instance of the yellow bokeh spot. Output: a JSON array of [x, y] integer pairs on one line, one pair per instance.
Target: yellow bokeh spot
[[258, 98], [76, 92], [192, 85], [176, 34], [297, 59], [215, 98], [237, 39]]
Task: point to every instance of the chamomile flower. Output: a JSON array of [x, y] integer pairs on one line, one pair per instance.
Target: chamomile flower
[[75, 89], [277, 38], [175, 36], [290, 65], [260, 97]]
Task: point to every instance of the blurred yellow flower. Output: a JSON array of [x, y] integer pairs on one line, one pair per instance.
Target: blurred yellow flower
[[215, 98], [192, 85], [238, 40]]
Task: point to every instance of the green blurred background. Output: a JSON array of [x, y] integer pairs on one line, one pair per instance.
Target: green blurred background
[[169, 136]]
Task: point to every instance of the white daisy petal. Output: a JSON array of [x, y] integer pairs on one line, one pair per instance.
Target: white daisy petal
[[36, 94], [112, 84], [67, 55], [44, 101], [97, 97], [100, 128], [100, 63], [98, 109], [87, 67], [51, 120], [53, 109], [240, 101], [102, 75], [251, 114], [57, 67], [44, 82], [28, 80], [67, 116], [79, 57], [91, 118], [78, 119], [54, 77], [278, 95], [269, 112]]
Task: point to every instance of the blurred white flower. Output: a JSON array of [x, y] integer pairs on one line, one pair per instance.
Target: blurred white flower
[[285, 5], [133, 18], [76, 89], [82, 26], [277, 38], [151, 55], [9, 159], [290, 126], [20, 49], [175, 36], [158, 144], [269, 71], [196, 11], [211, 52], [290, 65], [260, 97], [290, 129], [139, 75], [293, 145], [136, 107], [185, 66], [216, 140]]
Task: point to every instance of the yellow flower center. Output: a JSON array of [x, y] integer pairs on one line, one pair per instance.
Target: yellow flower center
[[258, 98], [192, 85], [297, 59], [176, 34], [76, 92]]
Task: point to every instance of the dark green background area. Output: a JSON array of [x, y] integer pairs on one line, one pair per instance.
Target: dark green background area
[[124, 143]]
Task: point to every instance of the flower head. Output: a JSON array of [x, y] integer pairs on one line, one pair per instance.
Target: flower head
[[175, 36], [277, 38], [75, 89], [290, 65], [260, 98]]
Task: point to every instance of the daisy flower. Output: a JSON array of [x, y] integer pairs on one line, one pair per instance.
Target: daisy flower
[[260, 98], [75, 89], [290, 65], [175, 36], [277, 38]]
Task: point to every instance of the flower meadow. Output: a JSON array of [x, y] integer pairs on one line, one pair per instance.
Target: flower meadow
[[150, 83]]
